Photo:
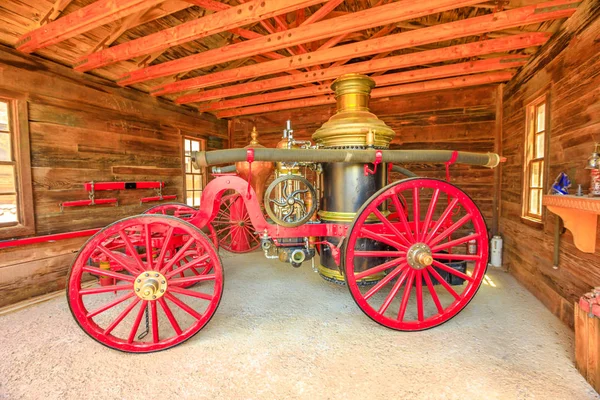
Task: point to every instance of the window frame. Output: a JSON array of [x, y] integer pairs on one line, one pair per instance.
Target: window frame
[[19, 132], [202, 143], [529, 153]]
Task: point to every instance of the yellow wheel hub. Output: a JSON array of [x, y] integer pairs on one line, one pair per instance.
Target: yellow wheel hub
[[150, 285], [419, 256]]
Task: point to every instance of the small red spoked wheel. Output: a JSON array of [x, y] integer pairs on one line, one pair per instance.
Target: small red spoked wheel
[[234, 227], [417, 256], [184, 212], [147, 255]]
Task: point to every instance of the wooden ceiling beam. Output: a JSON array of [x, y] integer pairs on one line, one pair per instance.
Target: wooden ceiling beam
[[402, 61], [217, 22], [418, 87], [57, 8], [322, 12], [439, 33], [372, 17], [445, 71], [85, 19]]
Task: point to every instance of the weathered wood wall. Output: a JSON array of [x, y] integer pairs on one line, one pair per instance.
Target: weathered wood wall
[[82, 129], [569, 67], [447, 120]]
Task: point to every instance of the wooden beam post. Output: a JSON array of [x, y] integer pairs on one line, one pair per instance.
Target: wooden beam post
[[85, 19], [220, 21], [439, 33], [402, 61], [498, 134], [418, 87], [445, 71], [369, 18]]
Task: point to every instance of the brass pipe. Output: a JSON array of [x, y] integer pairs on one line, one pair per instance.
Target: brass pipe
[[216, 157]]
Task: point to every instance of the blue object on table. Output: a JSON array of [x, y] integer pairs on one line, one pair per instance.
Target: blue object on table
[[561, 184]]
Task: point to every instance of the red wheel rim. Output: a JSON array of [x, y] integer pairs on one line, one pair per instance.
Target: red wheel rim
[[184, 212], [141, 253], [234, 227], [411, 290]]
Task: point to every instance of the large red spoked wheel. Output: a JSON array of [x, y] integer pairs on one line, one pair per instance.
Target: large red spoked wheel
[[184, 212], [234, 227], [147, 260], [418, 256]]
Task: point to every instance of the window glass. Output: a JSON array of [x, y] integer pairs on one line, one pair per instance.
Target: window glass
[[535, 146], [541, 117], [194, 178], [539, 145]]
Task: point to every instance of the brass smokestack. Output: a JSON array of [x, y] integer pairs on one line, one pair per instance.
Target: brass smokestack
[[351, 124]]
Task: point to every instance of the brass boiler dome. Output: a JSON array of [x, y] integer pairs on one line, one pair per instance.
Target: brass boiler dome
[[353, 121]]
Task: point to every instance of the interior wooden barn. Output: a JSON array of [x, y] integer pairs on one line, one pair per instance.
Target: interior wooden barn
[[400, 153]]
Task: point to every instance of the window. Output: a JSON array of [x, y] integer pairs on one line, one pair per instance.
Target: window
[[534, 166], [195, 179], [16, 200]]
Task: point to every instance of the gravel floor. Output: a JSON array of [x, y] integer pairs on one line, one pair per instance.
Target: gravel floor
[[282, 333]]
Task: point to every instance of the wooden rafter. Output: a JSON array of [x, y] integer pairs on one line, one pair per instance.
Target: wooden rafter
[[57, 8], [418, 87], [85, 19], [402, 61], [468, 27], [423, 74], [217, 22], [140, 18], [369, 18]]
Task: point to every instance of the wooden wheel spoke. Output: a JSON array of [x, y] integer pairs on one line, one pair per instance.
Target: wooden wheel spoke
[[416, 212], [443, 282], [186, 266], [163, 250], [406, 295], [458, 257], [187, 292], [450, 230], [432, 292], [132, 250], [452, 271], [136, 323], [391, 226], [378, 253], [375, 236], [384, 281], [107, 272], [419, 286], [170, 316], [154, 315], [180, 253], [109, 305], [377, 269], [403, 218], [120, 259], [429, 215], [148, 234], [390, 297], [183, 306], [104, 289], [191, 279], [121, 316], [442, 219], [455, 242]]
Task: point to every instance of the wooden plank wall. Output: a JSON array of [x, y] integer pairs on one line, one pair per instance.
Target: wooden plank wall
[[452, 119], [82, 129], [569, 67]]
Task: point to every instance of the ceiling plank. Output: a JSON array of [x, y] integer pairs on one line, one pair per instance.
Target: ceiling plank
[[99, 13], [418, 87], [402, 61], [220, 21], [452, 30], [445, 71], [369, 18]]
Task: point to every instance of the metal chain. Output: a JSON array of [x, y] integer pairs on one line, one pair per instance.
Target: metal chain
[[145, 333]]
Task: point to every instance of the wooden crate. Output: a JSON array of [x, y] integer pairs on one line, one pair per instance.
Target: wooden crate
[[587, 339]]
